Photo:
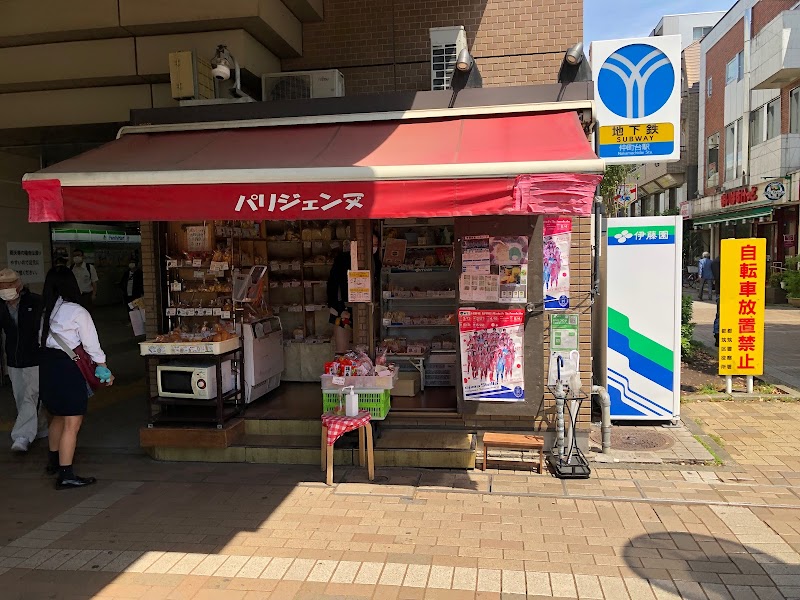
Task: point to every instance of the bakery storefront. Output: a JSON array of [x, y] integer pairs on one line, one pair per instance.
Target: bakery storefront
[[287, 256]]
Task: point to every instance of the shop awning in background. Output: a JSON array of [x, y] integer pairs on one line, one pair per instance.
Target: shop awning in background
[[738, 215], [457, 166]]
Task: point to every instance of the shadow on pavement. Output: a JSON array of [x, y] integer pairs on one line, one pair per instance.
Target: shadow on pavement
[[698, 567]]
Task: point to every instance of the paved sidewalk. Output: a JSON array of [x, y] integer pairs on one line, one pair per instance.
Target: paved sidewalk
[[782, 332], [235, 532]]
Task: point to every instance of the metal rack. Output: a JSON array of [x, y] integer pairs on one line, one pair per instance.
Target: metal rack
[[218, 410], [566, 458]]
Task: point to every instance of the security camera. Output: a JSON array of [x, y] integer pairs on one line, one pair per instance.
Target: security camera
[[221, 72], [222, 63]]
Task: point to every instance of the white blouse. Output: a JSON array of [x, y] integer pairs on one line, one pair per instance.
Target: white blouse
[[75, 326]]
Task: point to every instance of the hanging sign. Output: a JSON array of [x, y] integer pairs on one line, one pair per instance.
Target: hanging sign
[[743, 267], [491, 344], [556, 242], [359, 286], [197, 238]]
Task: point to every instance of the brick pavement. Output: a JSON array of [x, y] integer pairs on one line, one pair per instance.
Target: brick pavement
[[198, 531]]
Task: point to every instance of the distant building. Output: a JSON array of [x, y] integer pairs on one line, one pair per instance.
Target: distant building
[[690, 26]]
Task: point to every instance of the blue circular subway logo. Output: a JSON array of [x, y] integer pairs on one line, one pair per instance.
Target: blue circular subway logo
[[636, 81]]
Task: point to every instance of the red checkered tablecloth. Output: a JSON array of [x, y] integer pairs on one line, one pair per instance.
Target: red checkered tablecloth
[[338, 425]]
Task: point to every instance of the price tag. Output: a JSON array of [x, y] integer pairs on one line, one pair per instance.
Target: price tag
[[181, 312], [191, 312], [187, 263], [219, 266], [338, 381], [172, 264], [225, 314], [216, 312], [176, 286], [199, 275], [208, 312], [197, 262], [171, 312], [307, 245]]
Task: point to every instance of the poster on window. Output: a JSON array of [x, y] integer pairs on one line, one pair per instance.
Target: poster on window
[[509, 259], [556, 242], [491, 354]]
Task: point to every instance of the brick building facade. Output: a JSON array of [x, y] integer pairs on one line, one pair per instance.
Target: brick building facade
[[383, 45], [747, 80]]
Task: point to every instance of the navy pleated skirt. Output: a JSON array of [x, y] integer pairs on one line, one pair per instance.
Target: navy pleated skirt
[[62, 388]]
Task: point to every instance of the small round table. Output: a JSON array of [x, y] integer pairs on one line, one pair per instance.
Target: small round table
[[335, 426]]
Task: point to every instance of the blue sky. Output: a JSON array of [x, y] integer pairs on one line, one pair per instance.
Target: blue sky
[[614, 19]]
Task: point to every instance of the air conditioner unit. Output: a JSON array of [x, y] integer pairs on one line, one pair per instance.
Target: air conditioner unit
[[446, 43], [299, 85]]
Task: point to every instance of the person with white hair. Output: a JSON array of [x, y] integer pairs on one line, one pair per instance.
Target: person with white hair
[[706, 275], [20, 315]]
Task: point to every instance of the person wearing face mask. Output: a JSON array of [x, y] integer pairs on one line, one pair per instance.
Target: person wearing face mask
[[132, 283], [86, 275], [20, 313]]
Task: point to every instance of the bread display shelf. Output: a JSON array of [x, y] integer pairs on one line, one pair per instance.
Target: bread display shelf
[[153, 348]]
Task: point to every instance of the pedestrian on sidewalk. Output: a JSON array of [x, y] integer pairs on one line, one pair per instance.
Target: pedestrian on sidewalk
[[64, 390], [706, 276], [86, 275], [20, 314]]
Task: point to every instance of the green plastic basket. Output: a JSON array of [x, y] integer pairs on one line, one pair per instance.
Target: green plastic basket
[[377, 402]]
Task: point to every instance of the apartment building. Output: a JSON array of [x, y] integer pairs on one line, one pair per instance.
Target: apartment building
[[749, 127]]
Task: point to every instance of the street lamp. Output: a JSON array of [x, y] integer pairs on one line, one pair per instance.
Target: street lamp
[[574, 67]]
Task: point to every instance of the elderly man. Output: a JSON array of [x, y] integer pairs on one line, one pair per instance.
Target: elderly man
[[20, 316], [706, 275]]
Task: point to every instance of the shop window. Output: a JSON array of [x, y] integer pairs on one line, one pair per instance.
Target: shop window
[[756, 126], [794, 110], [774, 118]]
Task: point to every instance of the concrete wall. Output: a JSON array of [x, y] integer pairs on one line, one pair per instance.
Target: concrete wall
[[14, 226]]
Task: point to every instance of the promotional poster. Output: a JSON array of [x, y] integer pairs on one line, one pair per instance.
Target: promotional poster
[[509, 258], [491, 354], [557, 239]]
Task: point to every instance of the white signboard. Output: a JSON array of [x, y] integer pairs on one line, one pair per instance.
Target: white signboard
[[638, 98], [27, 259], [644, 317]]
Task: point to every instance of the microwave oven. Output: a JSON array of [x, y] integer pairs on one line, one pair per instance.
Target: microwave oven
[[193, 380]]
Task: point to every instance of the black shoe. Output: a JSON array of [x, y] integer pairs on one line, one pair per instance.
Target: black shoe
[[74, 482], [51, 469]]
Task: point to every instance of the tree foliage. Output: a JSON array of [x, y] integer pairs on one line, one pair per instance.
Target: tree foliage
[[614, 176]]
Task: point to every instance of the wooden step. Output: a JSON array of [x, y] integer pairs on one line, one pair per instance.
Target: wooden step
[[192, 437], [301, 427]]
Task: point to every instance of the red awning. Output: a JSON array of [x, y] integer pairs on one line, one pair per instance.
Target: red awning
[[457, 166]]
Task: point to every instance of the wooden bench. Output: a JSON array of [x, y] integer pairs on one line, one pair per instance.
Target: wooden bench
[[515, 441]]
